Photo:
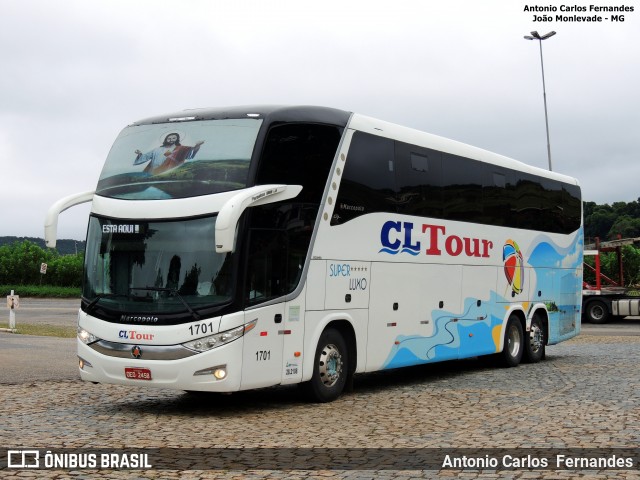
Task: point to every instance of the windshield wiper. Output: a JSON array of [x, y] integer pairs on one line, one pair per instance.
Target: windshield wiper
[[171, 291], [100, 296]]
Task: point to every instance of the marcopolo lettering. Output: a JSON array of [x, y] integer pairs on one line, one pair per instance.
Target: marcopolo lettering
[[138, 319], [400, 237]]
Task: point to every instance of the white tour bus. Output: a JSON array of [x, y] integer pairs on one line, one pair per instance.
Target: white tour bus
[[239, 248]]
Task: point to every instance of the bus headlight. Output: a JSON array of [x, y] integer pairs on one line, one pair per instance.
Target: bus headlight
[[213, 341], [86, 337], [219, 372], [83, 363]]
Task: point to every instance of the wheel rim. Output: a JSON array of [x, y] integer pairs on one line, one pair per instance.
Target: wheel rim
[[536, 338], [597, 312], [330, 365], [513, 342]]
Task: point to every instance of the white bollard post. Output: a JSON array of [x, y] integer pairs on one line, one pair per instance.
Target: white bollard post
[[12, 315]]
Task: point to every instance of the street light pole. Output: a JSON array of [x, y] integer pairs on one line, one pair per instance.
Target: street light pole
[[536, 36]]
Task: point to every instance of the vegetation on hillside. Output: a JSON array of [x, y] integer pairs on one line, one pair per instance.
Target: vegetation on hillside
[[608, 222], [63, 246]]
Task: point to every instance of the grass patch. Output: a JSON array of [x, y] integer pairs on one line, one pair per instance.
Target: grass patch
[[43, 330], [44, 291]]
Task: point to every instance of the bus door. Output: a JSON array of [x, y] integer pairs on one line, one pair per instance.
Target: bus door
[[273, 349], [262, 353], [265, 282]]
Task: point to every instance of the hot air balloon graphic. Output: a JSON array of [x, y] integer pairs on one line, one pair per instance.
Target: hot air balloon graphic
[[513, 266]]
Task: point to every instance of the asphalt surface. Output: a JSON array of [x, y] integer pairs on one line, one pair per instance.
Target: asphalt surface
[[584, 399], [52, 311], [28, 358]]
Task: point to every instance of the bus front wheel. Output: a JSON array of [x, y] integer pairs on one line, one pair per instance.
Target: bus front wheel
[[330, 368]]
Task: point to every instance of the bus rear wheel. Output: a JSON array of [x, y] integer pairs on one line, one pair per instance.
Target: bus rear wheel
[[513, 344], [535, 340], [330, 368]]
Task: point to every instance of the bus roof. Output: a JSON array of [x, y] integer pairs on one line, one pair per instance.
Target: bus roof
[[269, 113], [435, 142]]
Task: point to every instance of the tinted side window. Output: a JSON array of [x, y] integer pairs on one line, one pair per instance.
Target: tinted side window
[[527, 201], [299, 154], [463, 182], [498, 196], [545, 205], [280, 233], [572, 205], [418, 180], [367, 184], [552, 214], [386, 176], [267, 266]]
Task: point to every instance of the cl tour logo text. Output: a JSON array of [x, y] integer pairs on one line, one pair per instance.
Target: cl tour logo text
[[402, 237]]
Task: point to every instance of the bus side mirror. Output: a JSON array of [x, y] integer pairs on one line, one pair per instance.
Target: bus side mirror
[[51, 219], [249, 197]]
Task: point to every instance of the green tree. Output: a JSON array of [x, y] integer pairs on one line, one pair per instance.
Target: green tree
[[66, 270], [625, 227], [20, 265], [631, 265], [609, 266], [599, 223]]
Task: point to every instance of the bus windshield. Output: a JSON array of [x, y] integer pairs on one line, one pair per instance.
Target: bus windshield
[[168, 267], [178, 160]]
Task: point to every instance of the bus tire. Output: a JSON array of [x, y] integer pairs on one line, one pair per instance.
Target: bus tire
[[534, 341], [330, 368], [597, 312], [513, 343]]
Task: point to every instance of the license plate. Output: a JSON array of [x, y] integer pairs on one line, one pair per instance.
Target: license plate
[[134, 373]]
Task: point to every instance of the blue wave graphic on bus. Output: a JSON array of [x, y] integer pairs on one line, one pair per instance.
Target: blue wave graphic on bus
[[408, 250], [562, 280], [546, 252], [456, 335], [477, 328]]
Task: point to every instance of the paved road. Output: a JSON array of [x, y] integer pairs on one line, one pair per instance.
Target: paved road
[[52, 311], [586, 395], [626, 326], [28, 359]]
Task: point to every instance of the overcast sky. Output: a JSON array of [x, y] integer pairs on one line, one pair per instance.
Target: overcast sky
[[75, 72]]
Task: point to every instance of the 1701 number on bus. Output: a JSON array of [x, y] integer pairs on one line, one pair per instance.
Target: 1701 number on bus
[[263, 355]]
